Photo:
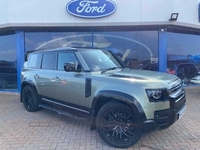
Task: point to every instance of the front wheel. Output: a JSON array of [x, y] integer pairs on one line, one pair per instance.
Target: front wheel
[[30, 98], [117, 125]]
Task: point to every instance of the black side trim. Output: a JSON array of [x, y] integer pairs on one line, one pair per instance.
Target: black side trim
[[88, 84], [64, 103], [107, 95], [61, 112]]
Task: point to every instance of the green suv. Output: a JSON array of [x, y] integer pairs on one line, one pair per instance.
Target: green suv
[[94, 84]]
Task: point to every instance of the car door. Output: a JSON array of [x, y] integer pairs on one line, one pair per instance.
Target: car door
[[69, 87], [43, 76]]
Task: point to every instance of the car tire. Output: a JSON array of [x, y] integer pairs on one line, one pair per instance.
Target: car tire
[[117, 125], [30, 98]]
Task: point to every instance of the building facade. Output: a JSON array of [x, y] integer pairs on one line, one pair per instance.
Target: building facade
[[156, 35]]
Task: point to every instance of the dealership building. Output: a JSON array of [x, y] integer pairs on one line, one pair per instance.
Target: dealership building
[[158, 35]]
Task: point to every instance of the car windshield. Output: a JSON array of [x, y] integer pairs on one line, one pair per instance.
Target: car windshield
[[99, 60]]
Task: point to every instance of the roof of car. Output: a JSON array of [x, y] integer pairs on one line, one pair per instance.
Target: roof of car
[[58, 49], [62, 49]]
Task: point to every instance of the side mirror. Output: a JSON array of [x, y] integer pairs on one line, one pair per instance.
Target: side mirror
[[70, 66]]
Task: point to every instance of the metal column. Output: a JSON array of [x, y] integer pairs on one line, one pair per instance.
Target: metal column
[[20, 47]]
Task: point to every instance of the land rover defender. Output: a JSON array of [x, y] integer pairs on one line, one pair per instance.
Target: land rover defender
[[121, 103]]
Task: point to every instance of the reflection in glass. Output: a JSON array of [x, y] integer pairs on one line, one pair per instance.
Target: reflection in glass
[[138, 49], [8, 63], [183, 57], [98, 60], [45, 40], [65, 58]]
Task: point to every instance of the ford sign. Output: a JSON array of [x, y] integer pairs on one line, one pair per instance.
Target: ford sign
[[91, 8]]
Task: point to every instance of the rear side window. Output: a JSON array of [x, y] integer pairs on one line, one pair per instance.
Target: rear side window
[[49, 61], [34, 60]]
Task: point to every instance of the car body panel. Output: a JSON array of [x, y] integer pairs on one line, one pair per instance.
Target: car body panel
[[69, 87]]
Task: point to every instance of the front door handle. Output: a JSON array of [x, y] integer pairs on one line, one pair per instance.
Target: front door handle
[[55, 79], [36, 76]]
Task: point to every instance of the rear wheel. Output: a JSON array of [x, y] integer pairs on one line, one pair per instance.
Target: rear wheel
[[117, 125], [30, 98]]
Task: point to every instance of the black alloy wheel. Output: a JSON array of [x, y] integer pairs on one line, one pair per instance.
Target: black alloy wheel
[[30, 98], [117, 125]]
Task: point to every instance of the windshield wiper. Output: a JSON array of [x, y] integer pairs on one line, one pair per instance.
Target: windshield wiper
[[112, 68]]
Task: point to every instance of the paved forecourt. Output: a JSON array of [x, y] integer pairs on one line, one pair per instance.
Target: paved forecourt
[[46, 130]]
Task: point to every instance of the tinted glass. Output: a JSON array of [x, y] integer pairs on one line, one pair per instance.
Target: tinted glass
[[49, 61], [46, 40], [138, 49], [183, 57], [8, 63]]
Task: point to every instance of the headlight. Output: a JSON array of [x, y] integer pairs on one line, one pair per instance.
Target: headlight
[[156, 95]]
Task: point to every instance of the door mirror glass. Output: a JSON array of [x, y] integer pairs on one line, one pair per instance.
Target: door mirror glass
[[70, 66]]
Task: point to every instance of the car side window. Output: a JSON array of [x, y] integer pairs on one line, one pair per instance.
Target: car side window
[[49, 61], [34, 60], [66, 57]]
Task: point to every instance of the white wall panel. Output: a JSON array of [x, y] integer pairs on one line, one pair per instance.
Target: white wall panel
[[187, 9], [53, 13], [156, 10], [56, 12], [21, 11], [3, 12]]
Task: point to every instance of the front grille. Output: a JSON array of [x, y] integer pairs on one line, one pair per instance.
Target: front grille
[[177, 96], [175, 88]]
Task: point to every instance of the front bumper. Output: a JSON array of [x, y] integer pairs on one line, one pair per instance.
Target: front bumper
[[165, 118]]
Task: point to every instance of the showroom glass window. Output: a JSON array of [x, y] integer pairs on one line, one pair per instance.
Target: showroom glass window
[[183, 57], [138, 49], [45, 40], [8, 63]]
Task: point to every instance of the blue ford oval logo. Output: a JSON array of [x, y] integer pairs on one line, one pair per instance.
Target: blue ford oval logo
[[91, 8]]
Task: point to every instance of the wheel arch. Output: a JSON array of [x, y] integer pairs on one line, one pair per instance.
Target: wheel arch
[[106, 96], [25, 83]]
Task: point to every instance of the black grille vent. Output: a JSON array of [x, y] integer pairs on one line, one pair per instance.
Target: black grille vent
[[175, 88], [177, 96], [124, 76]]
